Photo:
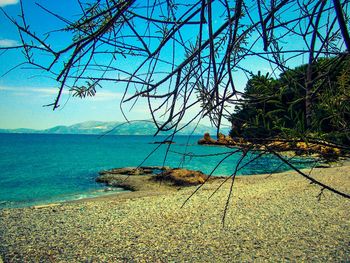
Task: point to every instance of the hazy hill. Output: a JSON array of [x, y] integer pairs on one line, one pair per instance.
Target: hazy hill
[[113, 128]]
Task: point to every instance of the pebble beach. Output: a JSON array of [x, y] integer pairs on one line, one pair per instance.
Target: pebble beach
[[278, 217]]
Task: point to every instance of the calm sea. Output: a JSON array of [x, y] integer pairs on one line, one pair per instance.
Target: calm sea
[[44, 168]]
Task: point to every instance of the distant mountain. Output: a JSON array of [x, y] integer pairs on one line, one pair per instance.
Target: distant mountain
[[20, 130], [115, 128]]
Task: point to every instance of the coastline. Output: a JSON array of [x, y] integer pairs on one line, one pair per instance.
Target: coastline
[[163, 187], [271, 217]]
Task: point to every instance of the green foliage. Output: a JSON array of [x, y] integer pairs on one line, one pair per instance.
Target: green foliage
[[85, 91], [276, 107], [96, 17]]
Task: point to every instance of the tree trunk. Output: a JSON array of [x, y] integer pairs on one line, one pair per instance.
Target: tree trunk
[[308, 107]]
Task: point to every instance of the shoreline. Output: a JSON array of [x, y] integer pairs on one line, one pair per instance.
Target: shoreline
[[165, 188], [113, 192], [62, 199]]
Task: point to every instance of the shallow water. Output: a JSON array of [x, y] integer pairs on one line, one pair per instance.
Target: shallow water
[[45, 168]]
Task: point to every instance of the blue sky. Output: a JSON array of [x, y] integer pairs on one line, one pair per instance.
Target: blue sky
[[23, 92]]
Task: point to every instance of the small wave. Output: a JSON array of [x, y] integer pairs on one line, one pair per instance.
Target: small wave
[[8, 204], [91, 194], [4, 202], [61, 199]]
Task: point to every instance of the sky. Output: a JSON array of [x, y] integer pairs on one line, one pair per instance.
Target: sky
[[24, 91]]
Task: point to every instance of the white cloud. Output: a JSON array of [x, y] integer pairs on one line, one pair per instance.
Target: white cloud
[[107, 95], [24, 91], [8, 42], [8, 2], [101, 95]]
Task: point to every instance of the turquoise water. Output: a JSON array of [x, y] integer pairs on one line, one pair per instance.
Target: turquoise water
[[44, 168]]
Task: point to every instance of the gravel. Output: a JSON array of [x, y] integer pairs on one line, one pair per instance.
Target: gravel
[[270, 218]]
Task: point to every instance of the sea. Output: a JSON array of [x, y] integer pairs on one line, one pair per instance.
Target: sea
[[38, 169]]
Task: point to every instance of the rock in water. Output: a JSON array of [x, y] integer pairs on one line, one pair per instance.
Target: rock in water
[[222, 140], [182, 177], [132, 170], [207, 139], [148, 178]]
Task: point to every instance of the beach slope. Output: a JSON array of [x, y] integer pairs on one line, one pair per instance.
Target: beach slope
[[272, 218]]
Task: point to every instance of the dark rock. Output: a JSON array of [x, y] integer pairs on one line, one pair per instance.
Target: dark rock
[[165, 142], [127, 171], [128, 179], [143, 170]]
